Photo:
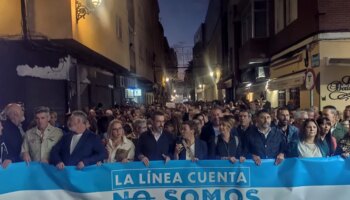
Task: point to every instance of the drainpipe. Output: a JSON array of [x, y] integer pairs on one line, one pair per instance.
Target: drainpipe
[[24, 19]]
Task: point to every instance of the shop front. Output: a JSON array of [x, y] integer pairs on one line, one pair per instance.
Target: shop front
[[288, 74], [327, 56], [335, 73]]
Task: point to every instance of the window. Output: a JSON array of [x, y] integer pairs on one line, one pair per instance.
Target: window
[[291, 11], [281, 98], [279, 15], [119, 29], [255, 20], [260, 19], [295, 96], [247, 25], [286, 12]]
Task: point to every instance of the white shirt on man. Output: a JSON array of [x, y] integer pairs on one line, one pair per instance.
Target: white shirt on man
[[188, 154], [74, 142]]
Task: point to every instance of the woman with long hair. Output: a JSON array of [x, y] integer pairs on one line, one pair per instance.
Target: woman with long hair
[[119, 147], [308, 146], [327, 142]]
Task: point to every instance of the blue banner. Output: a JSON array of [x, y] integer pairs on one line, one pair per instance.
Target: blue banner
[[327, 178]]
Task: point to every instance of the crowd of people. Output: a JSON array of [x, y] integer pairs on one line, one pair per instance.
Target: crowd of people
[[191, 131]]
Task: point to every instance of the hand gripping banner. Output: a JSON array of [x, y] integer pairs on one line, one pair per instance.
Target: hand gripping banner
[[315, 179]]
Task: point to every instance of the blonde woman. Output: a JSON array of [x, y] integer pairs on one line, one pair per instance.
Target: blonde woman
[[228, 146], [120, 149]]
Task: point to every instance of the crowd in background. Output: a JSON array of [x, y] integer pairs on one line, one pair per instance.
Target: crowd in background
[[190, 131]]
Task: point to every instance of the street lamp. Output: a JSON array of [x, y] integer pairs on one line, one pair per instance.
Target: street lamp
[[82, 10], [96, 3], [211, 74], [174, 91], [166, 79]]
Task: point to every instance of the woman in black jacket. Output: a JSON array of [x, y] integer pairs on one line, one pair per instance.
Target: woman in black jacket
[[228, 146]]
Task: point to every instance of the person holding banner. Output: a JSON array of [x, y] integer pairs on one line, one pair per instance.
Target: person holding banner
[[119, 147], [229, 145], [308, 146], [343, 147], [327, 142], [189, 147], [337, 130], [155, 144], [244, 127], [11, 139], [80, 147], [210, 131], [264, 141], [38, 141], [290, 132]]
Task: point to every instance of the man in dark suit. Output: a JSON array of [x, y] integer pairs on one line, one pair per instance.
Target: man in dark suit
[[155, 144], [210, 131], [80, 147], [11, 137]]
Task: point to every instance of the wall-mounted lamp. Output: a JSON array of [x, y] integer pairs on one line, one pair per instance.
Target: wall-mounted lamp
[[82, 10]]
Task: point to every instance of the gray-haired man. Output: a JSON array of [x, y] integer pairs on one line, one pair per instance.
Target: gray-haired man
[[39, 140]]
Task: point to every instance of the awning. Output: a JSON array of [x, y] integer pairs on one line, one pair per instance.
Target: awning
[[254, 88], [292, 81], [225, 85]]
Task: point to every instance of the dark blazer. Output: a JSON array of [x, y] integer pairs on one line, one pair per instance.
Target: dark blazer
[[269, 147], [200, 150], [11, 141], [242, 134], [208, 136], [89, 149], [152, 149]]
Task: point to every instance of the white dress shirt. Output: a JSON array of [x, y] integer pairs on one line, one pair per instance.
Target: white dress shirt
[[74, 142]]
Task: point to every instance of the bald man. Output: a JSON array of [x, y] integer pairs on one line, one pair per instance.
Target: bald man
[[11, 139]]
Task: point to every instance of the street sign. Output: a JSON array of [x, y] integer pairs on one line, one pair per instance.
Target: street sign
[[310, 79]]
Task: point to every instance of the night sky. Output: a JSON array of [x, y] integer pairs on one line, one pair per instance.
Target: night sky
[[181, 19]]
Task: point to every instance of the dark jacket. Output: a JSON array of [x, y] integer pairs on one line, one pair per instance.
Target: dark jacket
[[208, 136], [89, 149], [231, 149], [265, 148], [339, 132], [292, 138], [200, 150], [242, 134], [152, 149], [11, 142]]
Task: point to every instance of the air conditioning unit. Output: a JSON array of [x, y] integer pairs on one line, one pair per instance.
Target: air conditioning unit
[[337, 61]]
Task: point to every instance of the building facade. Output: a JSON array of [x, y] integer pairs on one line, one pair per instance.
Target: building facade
[[54, 55], [283, 51]]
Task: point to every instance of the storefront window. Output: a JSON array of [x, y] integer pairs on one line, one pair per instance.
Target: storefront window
[[281, 98], [295, 96]]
